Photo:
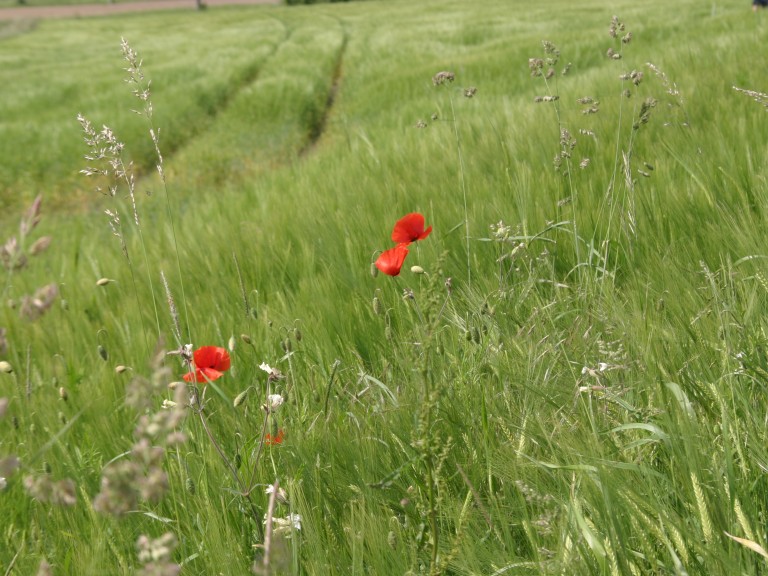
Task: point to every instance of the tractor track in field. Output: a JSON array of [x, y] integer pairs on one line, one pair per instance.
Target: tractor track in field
[[92, 10], [317, 130]]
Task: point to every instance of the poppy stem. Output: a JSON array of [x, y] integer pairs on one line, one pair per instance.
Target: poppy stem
[[335, 367], [252, 481], [463, 182], [232, 469]]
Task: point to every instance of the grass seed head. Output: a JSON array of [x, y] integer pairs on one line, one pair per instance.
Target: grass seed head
[[443, 77], [240, 398]]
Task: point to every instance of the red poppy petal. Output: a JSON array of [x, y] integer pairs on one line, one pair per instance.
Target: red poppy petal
[[425, 233], [195, 377], [223, 362], [390, 261], [408, 228], [210, 374], [212, 357], [270, 440]]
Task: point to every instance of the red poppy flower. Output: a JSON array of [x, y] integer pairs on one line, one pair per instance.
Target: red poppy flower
[[390, 261], [210, 363], [270, 440], [410, 228]]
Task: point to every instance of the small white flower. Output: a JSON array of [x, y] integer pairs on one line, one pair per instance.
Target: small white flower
[[286, 525], [274, 401], [169, 404], [281, 496], [295, 519], [266, 367], [602, 367]]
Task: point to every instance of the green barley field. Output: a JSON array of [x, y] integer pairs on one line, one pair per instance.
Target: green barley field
[[204, 372]]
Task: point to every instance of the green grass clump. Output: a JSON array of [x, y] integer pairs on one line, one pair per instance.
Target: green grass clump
[[570, 382]]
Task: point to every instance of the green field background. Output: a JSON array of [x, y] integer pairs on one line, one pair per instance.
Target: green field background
[[575, 385]]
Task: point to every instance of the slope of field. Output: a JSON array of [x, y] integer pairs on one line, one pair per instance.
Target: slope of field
[[570, 380]]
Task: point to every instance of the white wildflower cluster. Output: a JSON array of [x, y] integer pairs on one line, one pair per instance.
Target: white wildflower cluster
[[286, 525]]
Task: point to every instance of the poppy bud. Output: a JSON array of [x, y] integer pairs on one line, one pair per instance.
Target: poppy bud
[[240, 398], [231, 344], [374, 270], [63, 394], [190, 485], [417, 270], [286, 345], [120, 369], [388, 333], [5, 367], [62, 418], [238, 460], [103, 281], [297, 334], [47, 468], [103, 352], [376, 305], [245, 338], [64, 305]]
